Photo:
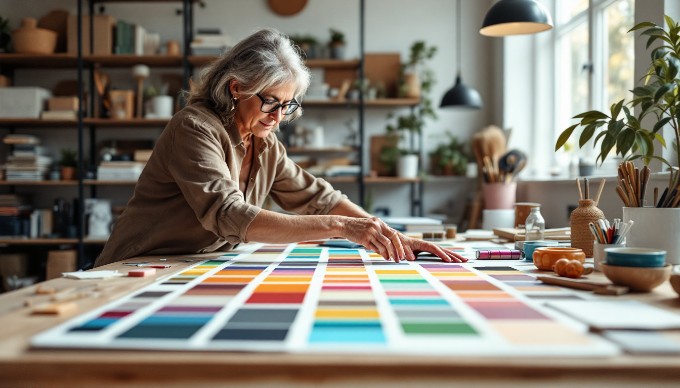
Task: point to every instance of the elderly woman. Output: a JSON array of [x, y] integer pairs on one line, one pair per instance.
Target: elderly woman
[[219, 158]]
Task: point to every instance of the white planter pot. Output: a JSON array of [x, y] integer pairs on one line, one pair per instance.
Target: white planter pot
[[655, 228], [407, 166]]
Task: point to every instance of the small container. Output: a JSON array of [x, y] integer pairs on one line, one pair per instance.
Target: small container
[[635, 257], [534, 225], [581, 235], [599, 255], [529, 246], [29, 39], [545, 257]]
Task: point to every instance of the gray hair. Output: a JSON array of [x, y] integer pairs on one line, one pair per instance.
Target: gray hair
[[263, 60]]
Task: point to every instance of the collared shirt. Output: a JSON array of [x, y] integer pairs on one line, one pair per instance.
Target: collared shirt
[[187, 199]]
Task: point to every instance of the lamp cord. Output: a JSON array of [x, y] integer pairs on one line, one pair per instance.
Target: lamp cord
[[458, 37]]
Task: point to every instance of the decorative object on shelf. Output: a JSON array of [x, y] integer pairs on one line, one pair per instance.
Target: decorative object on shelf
[[122, 104], [460, 95], [516, 17], [449, 158], [286, 7], [416, 76], [337, 44], [99, 218], [5, 36], [414, 121], [68, 164], [172, 48], [57, 21], [407, 166], [307, 43], [140, 73], [656, 98], [29, 39]]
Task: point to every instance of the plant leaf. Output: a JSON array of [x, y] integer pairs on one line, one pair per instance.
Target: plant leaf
[[642, 25], [564, 136], [663, 90], [660, 124], [596, 114], [616, 109], [587, 133]]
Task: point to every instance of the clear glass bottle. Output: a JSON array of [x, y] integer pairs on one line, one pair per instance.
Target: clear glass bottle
[[534, 226]]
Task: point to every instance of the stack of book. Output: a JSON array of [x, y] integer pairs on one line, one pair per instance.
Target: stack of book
[[119, 171], [61, 108], [27, 161], [14, 216], [210, 42]]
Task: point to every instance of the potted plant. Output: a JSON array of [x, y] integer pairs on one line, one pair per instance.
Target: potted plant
[[5, 35], [337, 44], [628, 135], [68, 164], [394, 152], [415, 74], [307, 44], [449, 158]]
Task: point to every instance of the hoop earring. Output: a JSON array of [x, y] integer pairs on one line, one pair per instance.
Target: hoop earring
[[234, 102]]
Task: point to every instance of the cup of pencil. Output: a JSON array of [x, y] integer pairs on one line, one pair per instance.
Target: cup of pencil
[[608, 235]]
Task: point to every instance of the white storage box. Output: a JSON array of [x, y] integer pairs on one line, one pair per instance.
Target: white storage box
[[25, 102]]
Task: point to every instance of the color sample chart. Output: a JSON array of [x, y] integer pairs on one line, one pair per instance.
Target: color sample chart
[[307, 298]]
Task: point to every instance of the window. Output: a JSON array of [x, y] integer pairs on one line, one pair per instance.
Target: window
[[593, 59]]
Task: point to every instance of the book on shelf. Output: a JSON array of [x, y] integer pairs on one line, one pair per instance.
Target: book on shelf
[[59, 115], [16, 138]]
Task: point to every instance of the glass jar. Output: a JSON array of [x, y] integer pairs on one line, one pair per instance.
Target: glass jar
[[534, 226]]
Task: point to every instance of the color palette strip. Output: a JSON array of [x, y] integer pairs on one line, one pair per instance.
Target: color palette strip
[[346, 312]]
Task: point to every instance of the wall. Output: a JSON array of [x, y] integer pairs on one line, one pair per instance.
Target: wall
[[391, 26]]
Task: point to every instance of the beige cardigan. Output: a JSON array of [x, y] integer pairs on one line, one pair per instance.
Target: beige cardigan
[[187, 199]]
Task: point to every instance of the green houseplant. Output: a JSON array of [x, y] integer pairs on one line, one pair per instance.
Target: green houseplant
[[658, 98], [658, 103], [68, 163], [449, 158], [337, 44], [414, 121]]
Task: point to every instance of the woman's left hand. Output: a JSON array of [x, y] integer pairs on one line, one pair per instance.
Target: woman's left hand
[[414, 246]]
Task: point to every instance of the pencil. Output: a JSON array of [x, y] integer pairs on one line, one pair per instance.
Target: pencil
[[599, 192], [622, 194], [578, 184]]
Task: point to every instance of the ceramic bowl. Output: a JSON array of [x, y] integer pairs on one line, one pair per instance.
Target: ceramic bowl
[[545, 257], [642, 279], [635, 257], [675, 282]]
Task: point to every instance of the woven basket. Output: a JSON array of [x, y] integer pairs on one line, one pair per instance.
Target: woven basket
[[581, 236]]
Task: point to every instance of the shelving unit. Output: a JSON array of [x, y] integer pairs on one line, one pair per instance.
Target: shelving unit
[[85, 66]]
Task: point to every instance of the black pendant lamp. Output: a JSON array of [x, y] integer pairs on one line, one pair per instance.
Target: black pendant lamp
[[461, 95], [516, 17]]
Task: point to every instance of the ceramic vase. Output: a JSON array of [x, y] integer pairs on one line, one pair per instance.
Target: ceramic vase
[[655, 228], [581, 236]]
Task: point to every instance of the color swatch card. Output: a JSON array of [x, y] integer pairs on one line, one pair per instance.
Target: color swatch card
[[305, 298]]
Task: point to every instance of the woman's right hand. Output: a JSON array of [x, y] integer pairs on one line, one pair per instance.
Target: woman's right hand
[[373, 233]]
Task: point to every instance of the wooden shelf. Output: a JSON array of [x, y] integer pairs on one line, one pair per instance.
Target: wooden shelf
[[128, 60], [389, 179], [95, 182], [61, 60], [37, 123], [126, 122], [37, 241], [377, 103], [38, 183]]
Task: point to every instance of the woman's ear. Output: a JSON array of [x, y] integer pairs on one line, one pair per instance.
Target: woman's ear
[[233, 88]]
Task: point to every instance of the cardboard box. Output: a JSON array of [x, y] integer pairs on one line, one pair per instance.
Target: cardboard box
[[103, 35], [62, 103], [122, 104], [22, 102], [59, 262]]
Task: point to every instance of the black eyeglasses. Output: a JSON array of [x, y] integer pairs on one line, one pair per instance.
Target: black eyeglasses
[[270, 106]]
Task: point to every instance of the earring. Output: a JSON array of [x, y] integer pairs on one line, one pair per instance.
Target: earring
[[234, 102]]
